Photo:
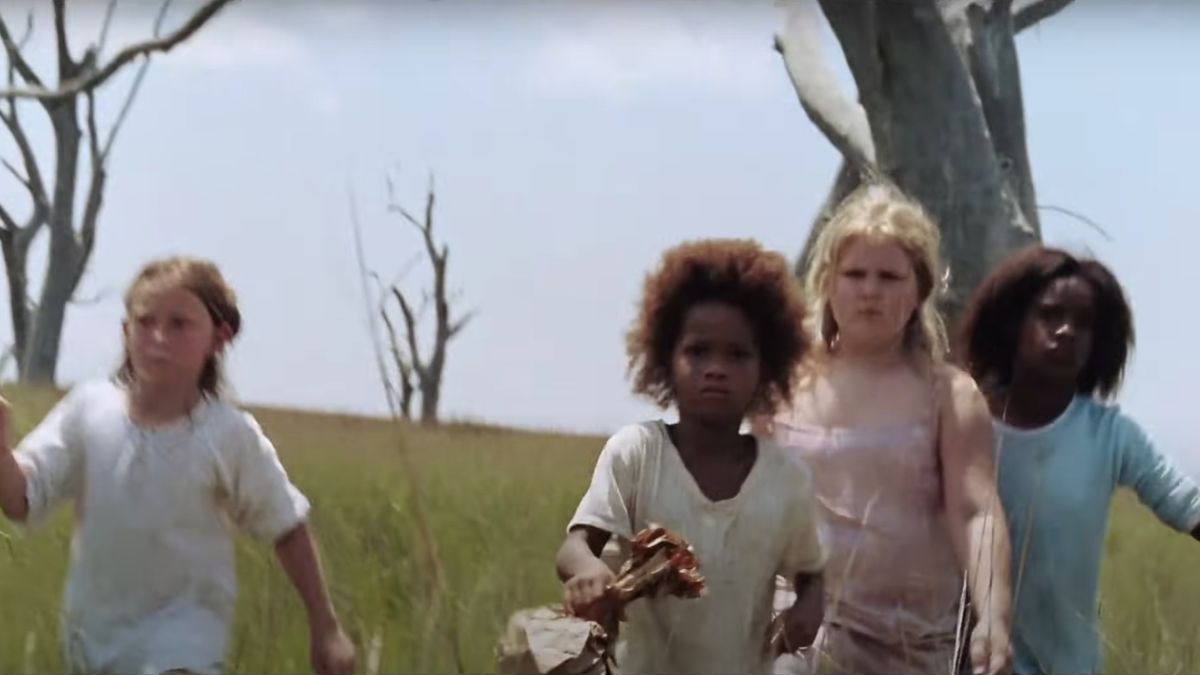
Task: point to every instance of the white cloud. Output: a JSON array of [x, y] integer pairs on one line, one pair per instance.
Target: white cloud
[[239, 41], [241, 38], [617, 53]]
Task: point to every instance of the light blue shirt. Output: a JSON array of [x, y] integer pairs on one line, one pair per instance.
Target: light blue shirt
[[1057, 483]]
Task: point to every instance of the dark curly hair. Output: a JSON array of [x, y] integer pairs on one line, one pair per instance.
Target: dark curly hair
[[738, 272], [991, 323]]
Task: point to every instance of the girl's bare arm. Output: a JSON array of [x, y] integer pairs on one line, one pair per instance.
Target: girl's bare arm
[[975, 516]]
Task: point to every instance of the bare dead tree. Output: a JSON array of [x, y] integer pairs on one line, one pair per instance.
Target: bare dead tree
[[37, 325], [939, 114], [417, 368]]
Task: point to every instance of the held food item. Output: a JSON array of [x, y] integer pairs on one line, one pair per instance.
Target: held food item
[[548, 640]]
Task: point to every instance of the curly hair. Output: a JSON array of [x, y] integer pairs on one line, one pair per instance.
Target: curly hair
[[202, 279], [877, 211], [738, 272], [991, 323]]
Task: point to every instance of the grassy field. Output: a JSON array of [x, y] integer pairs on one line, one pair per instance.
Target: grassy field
[[497, 501]]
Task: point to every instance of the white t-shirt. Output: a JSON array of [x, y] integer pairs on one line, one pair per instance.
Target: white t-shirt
[[152, 585], [769, 528]]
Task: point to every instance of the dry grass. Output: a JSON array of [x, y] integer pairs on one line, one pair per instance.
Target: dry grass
[[497, 502]]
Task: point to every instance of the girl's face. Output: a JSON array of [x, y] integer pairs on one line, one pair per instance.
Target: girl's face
[[873, 294], [1055, 339], [715, 367], [169, 335]]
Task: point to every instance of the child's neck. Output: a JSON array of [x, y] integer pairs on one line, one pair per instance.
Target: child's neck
[[870, 358], [708, 438], [152, 405], [1028, 404]]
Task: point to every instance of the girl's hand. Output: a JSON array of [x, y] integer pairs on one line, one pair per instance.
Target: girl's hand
[[796, 627], [332, 653], [584, 593], [991, 651]]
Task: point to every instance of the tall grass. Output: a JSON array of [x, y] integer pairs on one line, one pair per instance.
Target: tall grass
[[497, 502]]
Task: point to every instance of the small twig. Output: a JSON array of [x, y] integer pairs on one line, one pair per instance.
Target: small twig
[[136, 86], [1078, 216], [95, 77], [107, 23], [1032, 12]]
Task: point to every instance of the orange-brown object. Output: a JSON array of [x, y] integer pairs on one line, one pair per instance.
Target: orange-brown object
[[547, 640]]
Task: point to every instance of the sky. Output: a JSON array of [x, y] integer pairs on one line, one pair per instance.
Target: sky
[[571, 143]]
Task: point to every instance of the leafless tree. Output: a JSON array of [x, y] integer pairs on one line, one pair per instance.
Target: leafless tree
[[421, 369], [70, 106], [938, 113]]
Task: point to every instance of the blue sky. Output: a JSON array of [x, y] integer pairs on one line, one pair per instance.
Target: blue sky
[[572, 143]]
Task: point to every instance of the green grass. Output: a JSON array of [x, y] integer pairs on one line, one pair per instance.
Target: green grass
[[497, 502]]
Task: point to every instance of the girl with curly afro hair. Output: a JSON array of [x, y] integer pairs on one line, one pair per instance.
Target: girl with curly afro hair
[[900, 447], [1047, 334], [718, 335]]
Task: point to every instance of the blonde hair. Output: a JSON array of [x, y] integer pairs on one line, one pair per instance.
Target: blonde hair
[[202, 279], [878, 211]]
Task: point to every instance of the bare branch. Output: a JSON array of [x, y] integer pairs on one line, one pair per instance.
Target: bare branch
[[96, 299], [94, 78], [10, 225], [456, 327], [843, 121], [403, 367], [95, 197], [32, 179], [15, 59], [16, 174], [28, 31], [108, 17], [396, 208], [1077, 216], [1028, 13], [66, 65], [135, 87], [425, 227], [410, 328]]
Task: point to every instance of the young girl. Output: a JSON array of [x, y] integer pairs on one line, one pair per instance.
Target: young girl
[[1047, 335], [899, 444], [718, 335], [154, 462]]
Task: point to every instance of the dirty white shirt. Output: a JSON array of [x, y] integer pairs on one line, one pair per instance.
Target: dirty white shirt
[[151, 585], [770, 527]]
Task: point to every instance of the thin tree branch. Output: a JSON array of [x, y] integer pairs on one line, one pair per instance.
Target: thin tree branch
[[96, 299], [410, 327], [28, 31], [108, 17], [1028, 13], [15, 59], [1077, 216], [457, 326], [94, 78], [32, 179], [95, 197], [426, 227], [9, 223], [66, 65], [136, 86], [16, 174], [843, 121]]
